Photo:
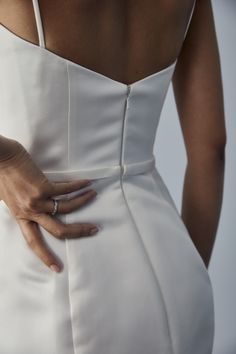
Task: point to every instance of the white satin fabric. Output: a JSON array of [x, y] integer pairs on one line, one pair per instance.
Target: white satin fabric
[[137, 287]]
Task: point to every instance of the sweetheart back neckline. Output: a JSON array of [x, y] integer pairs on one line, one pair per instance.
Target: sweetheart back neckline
[[81, 67]]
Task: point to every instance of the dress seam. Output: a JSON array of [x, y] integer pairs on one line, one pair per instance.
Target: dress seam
[[135, 224], [150, 264], [68, 118], [66, 240]]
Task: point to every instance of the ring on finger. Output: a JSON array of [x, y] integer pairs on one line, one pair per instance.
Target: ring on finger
[[55, 206]]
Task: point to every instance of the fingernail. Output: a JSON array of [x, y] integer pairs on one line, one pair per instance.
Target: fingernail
[[88, 183], [55, 268], [93, 231]]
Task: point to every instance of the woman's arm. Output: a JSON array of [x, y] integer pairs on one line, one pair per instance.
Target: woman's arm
[[198, 93]]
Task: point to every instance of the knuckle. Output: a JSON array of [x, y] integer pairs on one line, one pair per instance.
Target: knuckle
[[47, 260], [76, 229], [37, 194], [38, 191], [31, 203], [49, 188], [80, 228], [84, 229], [32, 242], [45, 186], [60, 232], [18, 213]]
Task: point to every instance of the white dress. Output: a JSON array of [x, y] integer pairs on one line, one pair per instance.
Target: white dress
[[137, 287]]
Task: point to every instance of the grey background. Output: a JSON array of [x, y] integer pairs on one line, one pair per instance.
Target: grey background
[[171, 160]]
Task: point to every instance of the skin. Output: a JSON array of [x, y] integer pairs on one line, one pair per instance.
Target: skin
[[198, 92], [116, 39], [31, 203]]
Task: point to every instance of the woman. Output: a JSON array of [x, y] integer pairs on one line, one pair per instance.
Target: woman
[[82, 88]]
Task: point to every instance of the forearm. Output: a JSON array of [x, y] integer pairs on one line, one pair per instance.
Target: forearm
[[8, 148], [202, 200]]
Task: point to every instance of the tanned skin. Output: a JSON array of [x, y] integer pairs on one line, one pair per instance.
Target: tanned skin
[[198, 92]]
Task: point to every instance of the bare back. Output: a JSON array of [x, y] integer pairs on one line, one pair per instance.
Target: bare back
[[125, 40]]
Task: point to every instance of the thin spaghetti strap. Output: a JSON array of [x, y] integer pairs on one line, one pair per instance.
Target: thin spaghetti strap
[[39, 23], [190, 17]]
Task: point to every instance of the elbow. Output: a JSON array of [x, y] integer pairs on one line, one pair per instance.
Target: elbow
[[221, 153], [220, 148], [208, 152]]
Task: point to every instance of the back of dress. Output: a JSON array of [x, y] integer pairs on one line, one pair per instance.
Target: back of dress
[[140, 285]]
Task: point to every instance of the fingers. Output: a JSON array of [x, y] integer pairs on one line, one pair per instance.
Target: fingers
[[36, 210], [68, 205], [54, 226], [61, 231], [35, 241], [58, 188]]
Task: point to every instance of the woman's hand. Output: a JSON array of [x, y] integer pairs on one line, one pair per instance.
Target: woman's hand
[[27, 193]]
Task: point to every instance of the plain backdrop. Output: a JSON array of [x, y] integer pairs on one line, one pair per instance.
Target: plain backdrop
[[171, 161]]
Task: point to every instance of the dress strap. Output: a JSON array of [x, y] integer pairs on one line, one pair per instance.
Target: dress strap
[[39, 23], [190, 17]]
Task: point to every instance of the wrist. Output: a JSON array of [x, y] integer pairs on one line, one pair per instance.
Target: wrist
[[11, 151]]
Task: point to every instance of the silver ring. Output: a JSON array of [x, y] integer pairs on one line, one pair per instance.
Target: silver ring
[[55, 207]]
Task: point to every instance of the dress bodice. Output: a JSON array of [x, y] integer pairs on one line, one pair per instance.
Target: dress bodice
[[59, 109]]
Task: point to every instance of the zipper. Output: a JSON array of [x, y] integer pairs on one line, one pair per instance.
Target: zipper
[[127, 96], [128, 90], [123, 167]]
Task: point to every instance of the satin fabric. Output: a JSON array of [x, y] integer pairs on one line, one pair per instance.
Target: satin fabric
[[139, 285]]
